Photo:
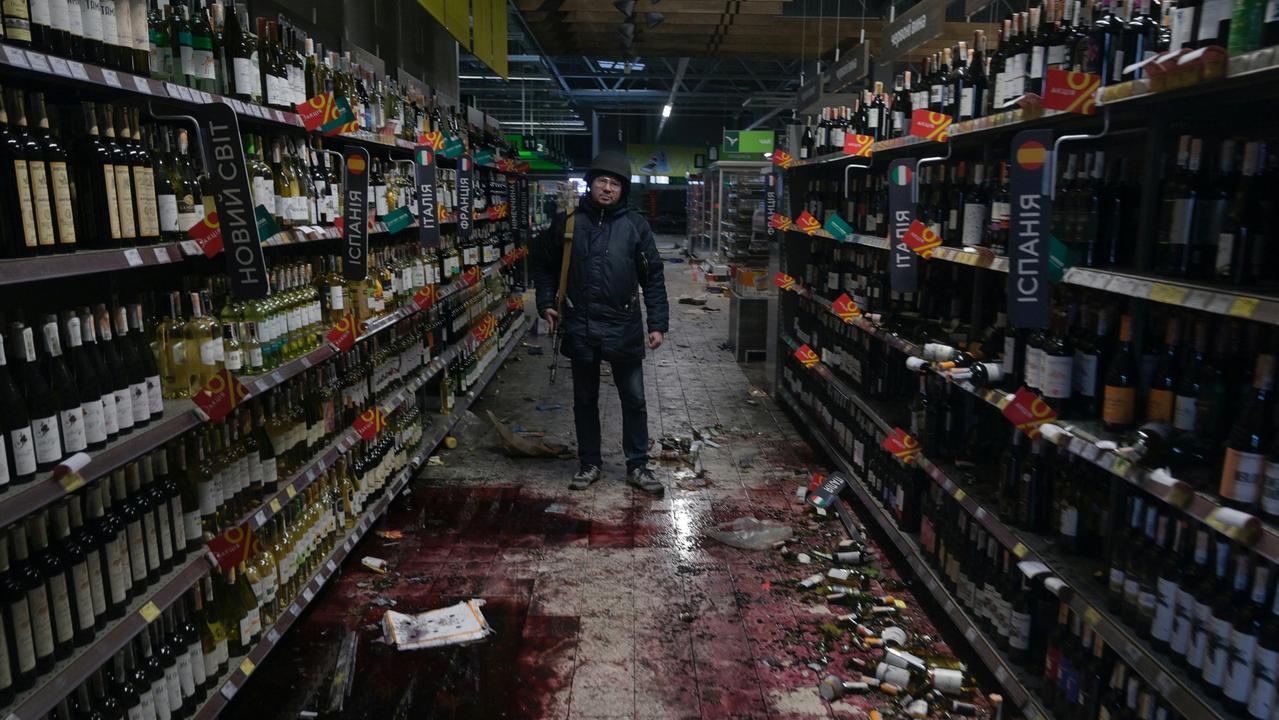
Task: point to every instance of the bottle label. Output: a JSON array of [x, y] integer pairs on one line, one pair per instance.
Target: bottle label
[[186, 673], [1116, 583], [144, 191], [1055, 375], [20, 613], [1239, 674], [41, 621], [1261, 702], [167, 205], [1037, 56], [173, 679], [1184, 412], [967, 102], [1211, 13], [24, 452], [124, 408], [1165, 610], [1218, 652], [1182, 212], [60, 600], [1118, 405], [1241, 476], [209, 352], [124, 193], [61, 183], [191, 522], [137, 554], [139, 403], [98, 591], [155, 396], [899, 121], [1019, 630], [95, 424], [1159, 406], [25, 201], [974, 223], [1068, 525], [48, 442], [1056, 55], [1034, 367], [1199, 631], [40, 202], [247, 81], [110, 418]]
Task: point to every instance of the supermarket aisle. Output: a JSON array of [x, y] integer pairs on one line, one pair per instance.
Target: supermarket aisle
[[606, 603]]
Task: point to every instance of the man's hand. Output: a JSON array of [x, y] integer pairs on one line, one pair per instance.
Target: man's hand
[[654, 340], [552, 317]]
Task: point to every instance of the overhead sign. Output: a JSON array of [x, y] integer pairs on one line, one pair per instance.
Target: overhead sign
[[355, 220], [245, 263], [747, 144], [912, 29], [810, 94], [1029, 283], [902, 275], [853, 66], [428, 219]]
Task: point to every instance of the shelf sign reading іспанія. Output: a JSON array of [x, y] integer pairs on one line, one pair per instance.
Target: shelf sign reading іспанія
[[901, 211], [355, 221], [1028, 246]]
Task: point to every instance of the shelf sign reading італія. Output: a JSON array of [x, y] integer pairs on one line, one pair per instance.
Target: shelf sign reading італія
[[245, 264], [355, 222], [428, 222], [1028, 246], [901, 211], [465, 188]]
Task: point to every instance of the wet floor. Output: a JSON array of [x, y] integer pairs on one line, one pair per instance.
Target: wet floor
[[606, 603]]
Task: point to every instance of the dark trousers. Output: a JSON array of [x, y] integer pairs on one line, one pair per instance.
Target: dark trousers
[[629, 378]]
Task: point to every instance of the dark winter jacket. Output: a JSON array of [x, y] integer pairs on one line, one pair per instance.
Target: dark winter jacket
[[614, 259]]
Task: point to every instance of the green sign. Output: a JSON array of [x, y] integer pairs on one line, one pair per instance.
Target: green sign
[[267, 228], [747, 144], [398, 219], [483, 157], [836, 226], [453, 147]]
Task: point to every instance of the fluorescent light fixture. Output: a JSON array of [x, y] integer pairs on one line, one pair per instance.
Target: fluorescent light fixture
[[619, 65], [498, 79], [666, 110]]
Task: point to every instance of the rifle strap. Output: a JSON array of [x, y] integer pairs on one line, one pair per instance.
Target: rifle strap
[[570, 222]]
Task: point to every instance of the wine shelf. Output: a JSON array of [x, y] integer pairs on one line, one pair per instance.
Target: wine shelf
[[87, 262], [1258, 535], [179, 417], [142, 611], [1012, 678], [243, 667], [1082, 597]]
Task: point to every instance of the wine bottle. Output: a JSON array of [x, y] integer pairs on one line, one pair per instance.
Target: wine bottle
[[1119, 396], [1161, 399], [106, 380], [128, 364], [108, 533], [89, 385], [18, 443], [1243, 468], [81, 546], [1248, 614], [65, 393], [35, 588], [54, 575], [146, 358], [40, 401]]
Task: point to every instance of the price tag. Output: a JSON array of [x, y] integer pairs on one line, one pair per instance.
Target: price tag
[[308, 594], [259, 519], [1243, 307], [332, 566], [133, 257], [141, 84], [60, 66], [980, 514], [346, 547], [306, 361], [971, 634], [39, 62], [1220, 304], [16, 56], [290, 491], [162, 255], [1121, 466], [228, 690], [247, 667], [1001, 675], [1020, 550], [960, 494], [276, 378], [1197, 299], [149, 612], [1091, 616], [273, 636], [1168, 294], [275, 505], [191, 247], [310, 476], [77, 70], [111, 78]]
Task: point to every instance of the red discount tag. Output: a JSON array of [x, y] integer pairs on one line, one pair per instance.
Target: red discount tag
[[342, 336], [1074, 92], [858, 145], [845, 308], [485, 329], [369, 423], [930, 125], [784, 281], [920, 238], [514, 304], [815, 480], [318, 111], [424, 298], [806, 356], [1028, 411], [779, 221], [435, 139], [208, 234], [902, 445], [220, 395], [783, 159], [807, 223], [471, 276], [232, 547]]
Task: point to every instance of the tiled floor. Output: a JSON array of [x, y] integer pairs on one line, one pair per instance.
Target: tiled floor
[[607, 603]]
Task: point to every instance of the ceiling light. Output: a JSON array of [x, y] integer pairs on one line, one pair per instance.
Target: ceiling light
[[627, 7], [654, 18], [666, 110]]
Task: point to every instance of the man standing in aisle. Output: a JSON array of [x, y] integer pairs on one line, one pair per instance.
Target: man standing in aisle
[[611, 259]]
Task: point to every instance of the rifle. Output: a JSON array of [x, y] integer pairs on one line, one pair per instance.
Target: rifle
[[570, 220]]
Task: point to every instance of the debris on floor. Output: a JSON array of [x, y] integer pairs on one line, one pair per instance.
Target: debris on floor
[[698, 300], [750, 533], [546, 407], [343, 674], [460, 624], [390, 534], [521, 446], [373, 563]]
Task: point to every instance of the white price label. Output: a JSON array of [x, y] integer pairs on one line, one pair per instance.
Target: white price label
[[306, 361], [229, 690], [59, 66], [308, 594], [273, 636], [77, 70], [1220, 304], [142, 84], [191, 247], [162, 255], [133, 257], [971, 634], [16, 56], [259, 519], [111, 78], [332, 566], [346, 547], [1198, 299], [39, 62]]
